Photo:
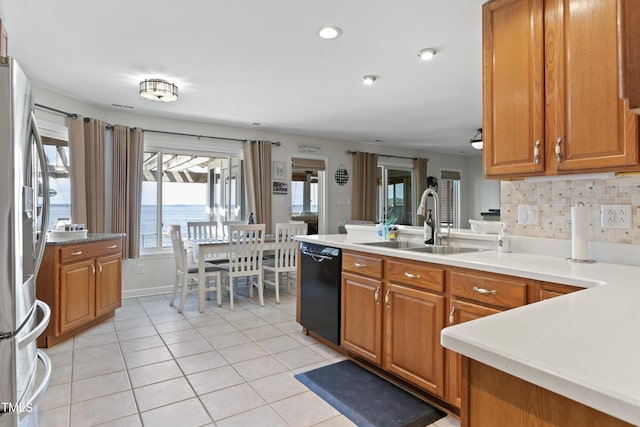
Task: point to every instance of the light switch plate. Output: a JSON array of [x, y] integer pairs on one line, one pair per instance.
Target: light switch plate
[[615, 216], [528, 215]]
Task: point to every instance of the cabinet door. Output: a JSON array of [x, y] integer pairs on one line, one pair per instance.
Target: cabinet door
[[108, 289], [460, 312], [77, 294], [513, 87], [413, 321], [362, 316], [588, 124]]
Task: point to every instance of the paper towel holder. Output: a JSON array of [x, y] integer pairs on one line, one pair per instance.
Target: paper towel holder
[[580, 260]]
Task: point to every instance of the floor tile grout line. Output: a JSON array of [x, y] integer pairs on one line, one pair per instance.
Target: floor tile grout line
[[251, 308]]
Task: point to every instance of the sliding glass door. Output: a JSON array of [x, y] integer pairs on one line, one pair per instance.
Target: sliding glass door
[[395, 196]]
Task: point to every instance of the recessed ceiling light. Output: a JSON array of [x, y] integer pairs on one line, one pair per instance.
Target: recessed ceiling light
[[329, 32], [427, 54], [369, 80]]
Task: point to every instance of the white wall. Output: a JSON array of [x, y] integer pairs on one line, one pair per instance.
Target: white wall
[[482, 194], [154, 273]]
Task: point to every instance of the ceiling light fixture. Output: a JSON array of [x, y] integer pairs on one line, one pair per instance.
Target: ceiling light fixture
[[427, 54], [329, 32], [476, 141], [369, 80], [158, 90]]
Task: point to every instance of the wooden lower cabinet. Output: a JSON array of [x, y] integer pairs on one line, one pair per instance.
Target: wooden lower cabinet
[[495, 398], [81, 283], [393, 311], [108, 284], [552, 290], [413, 321], [392, 317], [474, 295], [460, 312], [362, 316], [77, 295]]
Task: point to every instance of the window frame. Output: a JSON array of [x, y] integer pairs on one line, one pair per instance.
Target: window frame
[[162, 145]]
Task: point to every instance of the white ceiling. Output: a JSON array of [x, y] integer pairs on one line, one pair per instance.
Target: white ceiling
[[237, 62]]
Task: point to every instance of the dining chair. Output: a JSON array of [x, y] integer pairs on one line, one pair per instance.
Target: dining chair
[[286, 255], [205, 230], [225, 227], [187, 275], [245, 258]]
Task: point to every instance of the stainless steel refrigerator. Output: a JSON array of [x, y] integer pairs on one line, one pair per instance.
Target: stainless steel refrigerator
[[24, 210]]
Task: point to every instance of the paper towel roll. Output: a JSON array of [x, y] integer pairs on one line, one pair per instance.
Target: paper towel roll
[[579, 233]]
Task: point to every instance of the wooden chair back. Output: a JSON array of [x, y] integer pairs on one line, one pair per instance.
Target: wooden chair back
[[245, 249], [202, 229], [179, 251], [286, 249]]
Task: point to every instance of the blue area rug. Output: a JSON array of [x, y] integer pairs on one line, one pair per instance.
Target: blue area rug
[[366, 399]]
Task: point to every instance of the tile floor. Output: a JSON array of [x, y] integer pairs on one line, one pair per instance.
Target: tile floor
[[151, 366]]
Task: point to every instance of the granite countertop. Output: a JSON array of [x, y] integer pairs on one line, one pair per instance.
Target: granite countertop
[[90, 238], [583, 345]]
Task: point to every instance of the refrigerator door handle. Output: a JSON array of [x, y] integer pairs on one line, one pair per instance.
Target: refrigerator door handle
[[37, 394], [39, 250], [40, 327]]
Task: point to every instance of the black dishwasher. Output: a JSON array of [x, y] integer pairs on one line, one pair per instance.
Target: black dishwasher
[[320, 285]]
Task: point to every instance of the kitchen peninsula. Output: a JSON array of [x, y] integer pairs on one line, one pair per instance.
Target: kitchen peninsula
[[582, 345]]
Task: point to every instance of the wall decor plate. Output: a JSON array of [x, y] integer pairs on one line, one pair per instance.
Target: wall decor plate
[[342, 176]]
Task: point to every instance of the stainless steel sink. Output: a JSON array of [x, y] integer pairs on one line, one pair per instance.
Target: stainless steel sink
[[444, 250], [395, 244]]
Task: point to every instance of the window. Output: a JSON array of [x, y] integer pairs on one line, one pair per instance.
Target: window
[[193, 187], [395, 196], [57, 154], [307, 174], [449, 194], [304, 193]]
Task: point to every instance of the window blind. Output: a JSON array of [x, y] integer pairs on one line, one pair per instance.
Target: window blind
[[447, 186], [301, 163]]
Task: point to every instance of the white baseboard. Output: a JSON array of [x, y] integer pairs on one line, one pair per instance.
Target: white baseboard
[[145, 292]]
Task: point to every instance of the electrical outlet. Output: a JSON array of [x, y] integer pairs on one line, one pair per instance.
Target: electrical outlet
[[528, 215], [141, 268], [615, 216]]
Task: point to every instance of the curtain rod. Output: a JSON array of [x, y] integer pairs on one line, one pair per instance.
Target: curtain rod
[[110, 126], [64, 113], [200, 136], [385, 155]]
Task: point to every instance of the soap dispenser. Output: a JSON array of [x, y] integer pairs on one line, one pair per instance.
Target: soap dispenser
[[504, 240]]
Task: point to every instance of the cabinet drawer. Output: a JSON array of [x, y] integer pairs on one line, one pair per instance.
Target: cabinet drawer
[[361, 264], [504, 292], [418, 275], [552, 290], [71, 253]]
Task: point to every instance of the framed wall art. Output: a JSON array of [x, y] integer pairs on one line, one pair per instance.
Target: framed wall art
[[280, 187], [279, 171]]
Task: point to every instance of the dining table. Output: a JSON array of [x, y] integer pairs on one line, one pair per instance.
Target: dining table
[[216, 246]]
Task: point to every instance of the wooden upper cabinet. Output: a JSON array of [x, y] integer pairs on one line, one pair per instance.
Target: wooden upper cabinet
[[513, 87], [588, 125], [551, 74], [630, 53]]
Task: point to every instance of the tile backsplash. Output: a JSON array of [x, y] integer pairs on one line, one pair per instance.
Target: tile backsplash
[[555, 198]]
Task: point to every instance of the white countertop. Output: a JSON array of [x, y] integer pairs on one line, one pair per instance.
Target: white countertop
[[584, 345]]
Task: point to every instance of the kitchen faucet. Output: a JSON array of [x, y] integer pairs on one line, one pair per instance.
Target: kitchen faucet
[[437, 232]]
